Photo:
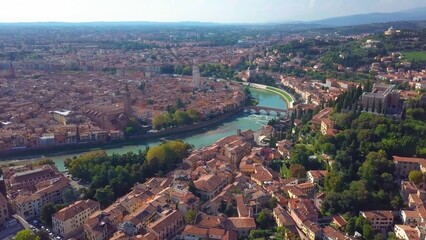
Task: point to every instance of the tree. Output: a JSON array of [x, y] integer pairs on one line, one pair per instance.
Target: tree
[[415, 176], [26, 235], [297, 171], [265, 219], [105, 196], [179, 104], [272, 203], [181, 117], [190, 216], [70, 195], [46, 213], [193, 114], [367, 231], [158, 122], [43, 235], [191, 187], [350, 226], [259, 234], [230, 210]]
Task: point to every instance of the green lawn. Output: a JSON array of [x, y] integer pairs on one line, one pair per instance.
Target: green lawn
[[417, 55]]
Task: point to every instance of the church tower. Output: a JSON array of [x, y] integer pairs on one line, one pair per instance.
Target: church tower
[[127, 102], [196, 83]]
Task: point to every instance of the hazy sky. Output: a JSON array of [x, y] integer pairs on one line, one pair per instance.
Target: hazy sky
[[223, 11]]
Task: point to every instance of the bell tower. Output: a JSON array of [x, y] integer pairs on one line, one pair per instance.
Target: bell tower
[[127, 102]]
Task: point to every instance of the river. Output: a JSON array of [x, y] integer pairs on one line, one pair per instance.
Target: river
[[203, 137]]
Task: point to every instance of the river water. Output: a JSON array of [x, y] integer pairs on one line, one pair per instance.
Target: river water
[[202, 137]]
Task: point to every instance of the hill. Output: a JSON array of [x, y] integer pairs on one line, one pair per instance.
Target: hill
[[417, 14]]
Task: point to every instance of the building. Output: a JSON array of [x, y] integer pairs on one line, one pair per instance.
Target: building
[[383, 98], [404, 165], [329, 233], [242, 225], [4, 210], [26, 177], [391, 31], [208, 186], [69, 221], [406, 232], [168, 225], [379, 219], [196, 81], [61, 116], [28, 204], [316, 176], [282, 218]]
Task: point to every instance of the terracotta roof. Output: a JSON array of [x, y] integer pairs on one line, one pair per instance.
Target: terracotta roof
[[241, 223], [339, 220], [377, 214], [408, 159], [217, 231], [411, 232], [333, 234], [208, 183], [166, 220], [209, 221], [75, 208], [194, 230]]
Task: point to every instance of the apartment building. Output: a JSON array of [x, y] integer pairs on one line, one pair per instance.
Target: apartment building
[[379, 219], [27, 176], [208, 186], [404, 165], [168, 225], [69, 221], [28, 204]]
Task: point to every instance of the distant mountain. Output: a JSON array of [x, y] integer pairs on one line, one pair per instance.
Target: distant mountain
[[416, 14]]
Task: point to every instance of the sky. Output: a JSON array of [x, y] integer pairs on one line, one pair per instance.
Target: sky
[[220, 11]]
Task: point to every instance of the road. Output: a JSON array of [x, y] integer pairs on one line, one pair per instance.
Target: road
[[10, 232], [22, 221]]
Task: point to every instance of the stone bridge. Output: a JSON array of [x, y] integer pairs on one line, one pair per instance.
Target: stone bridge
[[267, 110]]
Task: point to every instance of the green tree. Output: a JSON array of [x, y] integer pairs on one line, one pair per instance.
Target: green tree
[[191, 187], [194, 115], [43, 235], [350, 226], [105, 196], [46, 213], [190, 216], [26, 235], [70, 195], [415, 176], [230, 210], [158, 122], [182, 118], [265, 219], [367, 231]]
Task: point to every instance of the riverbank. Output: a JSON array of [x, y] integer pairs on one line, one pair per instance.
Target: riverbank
[[53, 150], [283, 94], [201, 137]]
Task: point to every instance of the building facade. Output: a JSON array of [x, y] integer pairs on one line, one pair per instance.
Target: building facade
[[69, 221]]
